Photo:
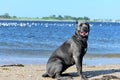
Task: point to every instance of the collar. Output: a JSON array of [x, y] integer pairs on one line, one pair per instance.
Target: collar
[[80, 40]]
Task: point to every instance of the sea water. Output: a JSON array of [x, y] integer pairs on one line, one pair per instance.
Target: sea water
[[32, 42]]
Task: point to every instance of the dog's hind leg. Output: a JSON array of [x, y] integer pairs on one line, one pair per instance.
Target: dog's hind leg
[[59, 76], [58, 71]]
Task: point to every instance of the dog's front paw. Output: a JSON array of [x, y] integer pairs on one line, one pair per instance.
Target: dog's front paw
[[83, 77]]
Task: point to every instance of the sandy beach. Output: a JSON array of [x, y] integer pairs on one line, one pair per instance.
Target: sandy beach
[[34, 72]]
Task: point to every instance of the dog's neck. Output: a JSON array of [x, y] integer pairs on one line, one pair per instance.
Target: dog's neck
[[80, 40]]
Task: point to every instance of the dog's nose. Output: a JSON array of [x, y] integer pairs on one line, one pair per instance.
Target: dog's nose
[[85, 29]]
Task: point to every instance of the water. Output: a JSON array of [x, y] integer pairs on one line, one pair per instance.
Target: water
[[32, 42]]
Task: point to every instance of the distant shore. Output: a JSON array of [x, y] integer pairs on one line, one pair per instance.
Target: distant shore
[[27, 19], [34, 72], [41, 20]]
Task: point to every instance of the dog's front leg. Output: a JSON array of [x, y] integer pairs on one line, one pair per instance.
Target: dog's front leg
[[78, 61]]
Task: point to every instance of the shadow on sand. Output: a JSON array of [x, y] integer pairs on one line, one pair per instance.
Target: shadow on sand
[[100, 72], [90, 74]]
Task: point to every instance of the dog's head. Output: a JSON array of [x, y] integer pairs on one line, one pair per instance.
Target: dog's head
[[82, 29]]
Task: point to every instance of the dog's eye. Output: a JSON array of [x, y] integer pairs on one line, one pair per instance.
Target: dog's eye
[[79, 31]]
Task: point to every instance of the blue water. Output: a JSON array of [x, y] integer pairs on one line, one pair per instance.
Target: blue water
[[30, 42]]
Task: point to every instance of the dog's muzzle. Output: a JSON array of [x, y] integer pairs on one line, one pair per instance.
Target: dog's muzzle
[[84, 33]]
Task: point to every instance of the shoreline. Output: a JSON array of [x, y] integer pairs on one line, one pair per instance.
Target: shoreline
[[34, 72], [40, 57], [87, 60]]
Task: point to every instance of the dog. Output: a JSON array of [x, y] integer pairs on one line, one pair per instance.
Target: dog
[[69, 53]]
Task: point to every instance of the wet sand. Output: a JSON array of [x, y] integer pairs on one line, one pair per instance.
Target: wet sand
[[34, 72]]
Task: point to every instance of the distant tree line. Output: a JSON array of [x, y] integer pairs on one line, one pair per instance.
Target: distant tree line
[[51, 17], [54, 17], [59, 17], [6, 15]]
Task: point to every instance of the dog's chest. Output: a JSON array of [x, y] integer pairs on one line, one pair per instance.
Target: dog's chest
[[82, 44]]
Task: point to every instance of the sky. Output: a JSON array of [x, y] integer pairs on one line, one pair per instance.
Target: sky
[[94, 9]]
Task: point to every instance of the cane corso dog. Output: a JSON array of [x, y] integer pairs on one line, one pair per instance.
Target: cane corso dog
[[69, 53]]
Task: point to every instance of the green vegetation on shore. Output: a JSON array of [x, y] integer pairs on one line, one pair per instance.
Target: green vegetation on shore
[[6, 16]]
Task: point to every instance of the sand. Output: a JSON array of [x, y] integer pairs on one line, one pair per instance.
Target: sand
[[34, 72]]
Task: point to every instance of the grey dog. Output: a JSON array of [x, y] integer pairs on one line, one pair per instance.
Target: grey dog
[[69, 53]]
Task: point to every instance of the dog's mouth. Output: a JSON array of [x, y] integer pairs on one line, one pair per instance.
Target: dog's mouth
[[84, 33]]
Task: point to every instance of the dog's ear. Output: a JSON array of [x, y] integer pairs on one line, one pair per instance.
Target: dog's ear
[[76, 22], [77, 28], [87, 24]]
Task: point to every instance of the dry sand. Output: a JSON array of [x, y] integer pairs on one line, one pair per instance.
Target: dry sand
[[34, 72]]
